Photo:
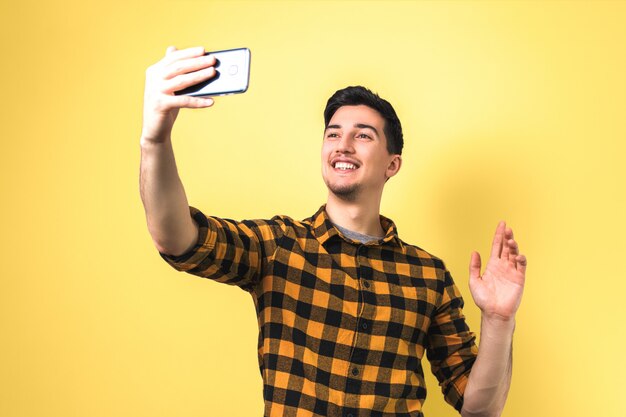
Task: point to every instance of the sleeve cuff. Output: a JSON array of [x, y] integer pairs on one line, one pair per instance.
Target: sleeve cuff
[[203, 247]]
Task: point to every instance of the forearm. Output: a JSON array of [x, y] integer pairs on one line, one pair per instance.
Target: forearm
[[490, 378], [165, 202]]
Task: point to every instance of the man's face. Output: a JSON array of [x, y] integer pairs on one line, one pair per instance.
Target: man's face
[[355, 159]]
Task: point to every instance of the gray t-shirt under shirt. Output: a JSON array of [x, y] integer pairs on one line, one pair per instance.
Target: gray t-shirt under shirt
[[359, 237]]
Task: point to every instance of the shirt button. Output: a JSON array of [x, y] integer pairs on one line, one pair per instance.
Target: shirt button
[[364, 325], [366, 284], [355, 371], [349, 415]]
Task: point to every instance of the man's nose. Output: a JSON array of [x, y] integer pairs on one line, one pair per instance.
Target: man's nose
[[345, 144]]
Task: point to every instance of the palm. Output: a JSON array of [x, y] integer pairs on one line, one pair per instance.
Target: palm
[[498, 291]]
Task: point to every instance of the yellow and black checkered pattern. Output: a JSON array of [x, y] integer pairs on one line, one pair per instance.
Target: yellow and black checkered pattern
[[343, 326]]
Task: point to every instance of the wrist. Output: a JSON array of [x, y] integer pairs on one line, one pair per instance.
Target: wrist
[[497, 323], [149, 141]]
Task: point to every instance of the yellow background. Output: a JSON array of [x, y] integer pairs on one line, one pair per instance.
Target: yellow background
[[511, 110]]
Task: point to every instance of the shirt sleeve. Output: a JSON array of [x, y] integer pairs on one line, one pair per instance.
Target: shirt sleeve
[[229, 251], [451, 347]]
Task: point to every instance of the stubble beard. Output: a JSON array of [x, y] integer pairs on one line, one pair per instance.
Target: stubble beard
[[348, 192]]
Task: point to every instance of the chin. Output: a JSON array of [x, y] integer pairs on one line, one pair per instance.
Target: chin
[[345, 192]]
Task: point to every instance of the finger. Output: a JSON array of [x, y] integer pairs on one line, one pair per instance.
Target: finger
[[184, 66], [513, 250], [507, 236], [176, 54], [521, 263], [185, 80], [496, 246], [474, 267], [170, 49], [190, 102]]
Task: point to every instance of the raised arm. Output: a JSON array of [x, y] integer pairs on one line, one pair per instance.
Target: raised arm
[[498, 293], [165, 202]]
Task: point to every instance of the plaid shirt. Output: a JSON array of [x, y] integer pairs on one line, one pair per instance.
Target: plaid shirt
[[343, 326]]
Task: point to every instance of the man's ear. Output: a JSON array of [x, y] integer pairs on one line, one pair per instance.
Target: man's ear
[[394, 166]]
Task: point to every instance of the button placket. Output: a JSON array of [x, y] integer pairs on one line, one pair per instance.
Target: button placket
[[358, 356]]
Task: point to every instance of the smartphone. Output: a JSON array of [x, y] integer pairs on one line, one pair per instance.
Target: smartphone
[[232, 74]]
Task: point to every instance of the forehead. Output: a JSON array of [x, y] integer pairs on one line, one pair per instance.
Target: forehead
[[350, 115]]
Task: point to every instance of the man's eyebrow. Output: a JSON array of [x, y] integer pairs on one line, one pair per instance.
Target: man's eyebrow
[[364, 126], [359, 125]]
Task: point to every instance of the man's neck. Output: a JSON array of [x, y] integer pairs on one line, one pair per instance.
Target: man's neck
[[357, 216]]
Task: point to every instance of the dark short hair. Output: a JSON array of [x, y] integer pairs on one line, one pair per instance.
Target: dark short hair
[[358, 95]]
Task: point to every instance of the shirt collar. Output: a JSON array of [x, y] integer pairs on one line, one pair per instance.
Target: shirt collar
[[323, 229]]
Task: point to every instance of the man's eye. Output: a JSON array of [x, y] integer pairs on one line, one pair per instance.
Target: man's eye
[[332, 135], [364, 136]]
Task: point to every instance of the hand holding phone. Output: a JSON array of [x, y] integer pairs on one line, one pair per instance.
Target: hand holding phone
[[178, 69], [182, 79]]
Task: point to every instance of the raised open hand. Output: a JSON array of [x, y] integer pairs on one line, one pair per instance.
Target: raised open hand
[[498, 292]]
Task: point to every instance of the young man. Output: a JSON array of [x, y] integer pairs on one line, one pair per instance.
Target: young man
[[346, 309]]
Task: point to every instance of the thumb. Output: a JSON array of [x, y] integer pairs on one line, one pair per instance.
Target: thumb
[[170, 49], [474, 268]]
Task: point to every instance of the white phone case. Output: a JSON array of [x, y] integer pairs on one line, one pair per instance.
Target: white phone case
[[232, 75]]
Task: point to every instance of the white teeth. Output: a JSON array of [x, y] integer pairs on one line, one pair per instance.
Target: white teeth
[[344, 165]]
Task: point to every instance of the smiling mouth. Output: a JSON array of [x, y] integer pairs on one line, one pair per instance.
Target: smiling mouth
[[345, 166]]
